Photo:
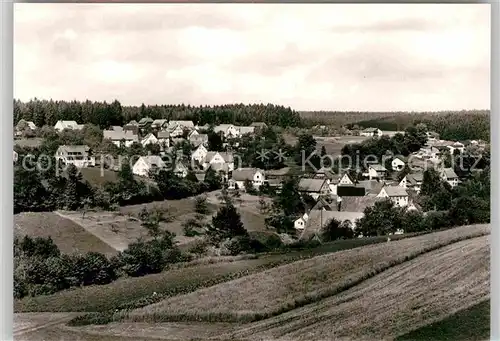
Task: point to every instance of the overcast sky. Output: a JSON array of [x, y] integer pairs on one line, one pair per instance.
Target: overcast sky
[[309, 57]]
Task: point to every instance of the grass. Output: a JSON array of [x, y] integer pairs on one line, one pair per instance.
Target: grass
[[275, 291], [424, 290], [471, 324], [201, 272], [67, 235], [97, 177]]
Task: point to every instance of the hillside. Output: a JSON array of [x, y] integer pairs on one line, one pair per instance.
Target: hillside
[[406, 297], [291, 286], [67, 235]]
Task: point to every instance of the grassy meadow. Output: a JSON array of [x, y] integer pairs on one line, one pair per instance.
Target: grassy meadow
[[291, 286]]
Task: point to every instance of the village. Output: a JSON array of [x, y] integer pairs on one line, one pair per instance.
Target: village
[[341, 195]]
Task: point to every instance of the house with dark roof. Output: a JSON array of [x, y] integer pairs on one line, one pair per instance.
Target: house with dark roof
[[314, 187], [449, 175], [77, 155], [159, 123], [241, 175], [145, 122], [259, 126], [413, 181], [396, 194], [376, 171], [372, 186], [371, 132], [357, 204], [319, 219]]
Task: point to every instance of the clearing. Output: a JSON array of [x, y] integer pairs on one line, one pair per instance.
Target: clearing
[[290, 286], [67, 235]]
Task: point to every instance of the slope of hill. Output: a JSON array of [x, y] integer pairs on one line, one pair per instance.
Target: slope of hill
[[291, 286], [67, 235], [423, 291], [408, 296]]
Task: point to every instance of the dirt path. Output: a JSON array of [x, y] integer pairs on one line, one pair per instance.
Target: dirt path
[[28, 323]]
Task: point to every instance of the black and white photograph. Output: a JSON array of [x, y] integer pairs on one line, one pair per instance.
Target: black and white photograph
[[251, 172]]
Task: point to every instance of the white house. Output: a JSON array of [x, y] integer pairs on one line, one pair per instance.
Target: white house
[[456, 146], [315, 187], [370, 132], [228, 130], [149, 139], [429, 153], [78, 155], [198, 139], [164, 139], [376, 171], [301, 222], [176, 131], [188, 125], [346, 180], [119, 138], [146, 163], [180, 170], [398, 163], [412, 181], [220, 158], [199, 154], [244, 130], [397, 194], [240, 175], [449, 175], [72, 125]]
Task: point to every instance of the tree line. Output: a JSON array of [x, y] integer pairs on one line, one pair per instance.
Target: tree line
[[103, 114]]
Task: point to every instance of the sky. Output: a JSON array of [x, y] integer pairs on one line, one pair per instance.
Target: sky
[[346, 57]]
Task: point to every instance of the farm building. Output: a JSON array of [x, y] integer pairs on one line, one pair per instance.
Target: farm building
[[78, 155]]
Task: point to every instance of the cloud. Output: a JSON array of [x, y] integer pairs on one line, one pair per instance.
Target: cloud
[[309, 57]]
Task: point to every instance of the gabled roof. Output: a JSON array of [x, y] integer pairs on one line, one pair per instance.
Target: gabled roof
[[220, 167], [258, 124], [163, 134], [377, 167], [449, 173], [246, 130], [145, 120], [242, 174], [401, 158], [30, 124], [318, 219], [149, 136], [116, 135], [322, 203], [370, 130], [152, 160], [228, 157], [415, 178], [181, 123], [395, 191], [311, 185], [69, 124], [82, 149], [222, 127], [358, 204], [372, 186], [133, 123], [159, 122]]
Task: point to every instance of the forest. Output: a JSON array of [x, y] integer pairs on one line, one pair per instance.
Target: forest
[[103, 114], [450, 125]]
